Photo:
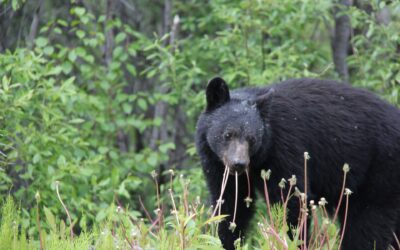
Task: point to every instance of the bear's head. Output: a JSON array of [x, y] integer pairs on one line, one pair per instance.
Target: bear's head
[[235, 128]]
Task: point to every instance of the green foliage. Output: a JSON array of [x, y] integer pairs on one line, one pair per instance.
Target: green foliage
[[80, 106]]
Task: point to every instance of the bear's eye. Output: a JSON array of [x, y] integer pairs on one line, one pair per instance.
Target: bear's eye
[[228, 135]]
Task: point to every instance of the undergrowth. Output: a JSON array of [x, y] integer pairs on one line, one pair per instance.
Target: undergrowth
[[178, 222]]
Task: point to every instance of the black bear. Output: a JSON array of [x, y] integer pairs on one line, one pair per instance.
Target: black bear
[[271, 127]]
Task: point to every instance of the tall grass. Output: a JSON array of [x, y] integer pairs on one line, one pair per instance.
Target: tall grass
[[179, 222]]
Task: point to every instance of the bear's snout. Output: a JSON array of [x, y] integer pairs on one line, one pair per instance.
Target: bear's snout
[[236, 157]]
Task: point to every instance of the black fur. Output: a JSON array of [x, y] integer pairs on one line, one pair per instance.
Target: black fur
[[336, 124]]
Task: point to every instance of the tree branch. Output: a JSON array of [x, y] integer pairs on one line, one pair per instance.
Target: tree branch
[[341, 39], [34, 26]]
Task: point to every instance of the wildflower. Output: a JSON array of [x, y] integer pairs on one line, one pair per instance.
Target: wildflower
[[282, 183], [322, 202], [153, 174], [220, 202], [312, 202], [297, 192], [293, 180], [306, 156], [232, 226], [265, 174], [171, 172], [248, 200], [346, 168], [347, 191]]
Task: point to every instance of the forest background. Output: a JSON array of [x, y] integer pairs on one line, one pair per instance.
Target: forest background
[[99, 99]]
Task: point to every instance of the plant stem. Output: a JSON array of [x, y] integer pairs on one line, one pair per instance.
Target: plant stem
[[268, 203], [38, 224], [305, 199], [340, 198], [236, 196], [344, 221], [223, 185], [66, 210]]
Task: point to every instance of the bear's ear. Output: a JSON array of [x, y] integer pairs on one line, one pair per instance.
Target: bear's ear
[[217, 93], [264, 101]]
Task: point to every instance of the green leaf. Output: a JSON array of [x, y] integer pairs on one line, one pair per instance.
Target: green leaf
[[15, 4], [55, 70], [41, 41], [36, 158], [131, 69], [80, 51], [215, 219], [127, 108], [61, 161], [76, 121], [79, 11], [66, 67], [80, 34], [142, 104], [48, 50], [72, 55], [6, 82], [101, 215], [51, 220], [164, 148], [120, 37], [189, 219], [62, 22]]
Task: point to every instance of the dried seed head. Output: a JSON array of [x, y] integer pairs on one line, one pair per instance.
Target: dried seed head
[[346, 168], [232, 226], [153, 174], [297, 192], [347, 191], [248, 201], [282, 183], [322, 202], [171, 172], [306, 156], [293, 180], [265, 174]]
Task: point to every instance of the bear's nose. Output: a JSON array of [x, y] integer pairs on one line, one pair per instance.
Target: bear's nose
[[239, 166]]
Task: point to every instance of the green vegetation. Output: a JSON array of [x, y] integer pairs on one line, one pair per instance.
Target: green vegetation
[[99, 94]]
